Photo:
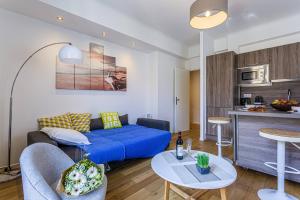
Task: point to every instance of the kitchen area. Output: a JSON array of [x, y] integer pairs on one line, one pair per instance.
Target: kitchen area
[[259, 89]]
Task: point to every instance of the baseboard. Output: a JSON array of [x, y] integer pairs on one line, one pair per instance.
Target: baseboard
[[13, 166]]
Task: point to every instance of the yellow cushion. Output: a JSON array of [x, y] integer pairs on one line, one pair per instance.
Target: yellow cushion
[[61, 121], [81, 121], [111, 120]]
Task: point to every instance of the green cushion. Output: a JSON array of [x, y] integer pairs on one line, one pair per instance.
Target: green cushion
[[111, 120], [80, 179]]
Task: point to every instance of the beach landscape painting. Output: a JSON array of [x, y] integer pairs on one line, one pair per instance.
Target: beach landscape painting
[[97, 66], [96, 72], [83, 73]]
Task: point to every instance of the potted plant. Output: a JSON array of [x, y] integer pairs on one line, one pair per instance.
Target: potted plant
[[203, 163]]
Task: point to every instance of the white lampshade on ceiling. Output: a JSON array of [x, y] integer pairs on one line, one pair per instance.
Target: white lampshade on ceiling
[[205, 14], [70, 55]]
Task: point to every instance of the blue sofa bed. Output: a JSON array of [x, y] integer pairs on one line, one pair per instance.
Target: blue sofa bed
[[143, 140], [128, 142]]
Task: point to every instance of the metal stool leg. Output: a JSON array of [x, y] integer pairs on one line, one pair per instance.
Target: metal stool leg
[[279, 194], [280, 166], [219, 141]]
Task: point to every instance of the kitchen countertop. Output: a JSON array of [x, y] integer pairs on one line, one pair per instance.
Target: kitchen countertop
[[268, 113]]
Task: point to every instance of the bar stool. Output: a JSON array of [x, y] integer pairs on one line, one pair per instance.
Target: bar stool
[[219, 121], [281, 136]]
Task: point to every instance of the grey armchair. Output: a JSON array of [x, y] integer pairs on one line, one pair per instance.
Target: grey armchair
[[41, 167]]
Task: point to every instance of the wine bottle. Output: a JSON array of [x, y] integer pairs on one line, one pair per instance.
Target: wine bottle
[[179, 147]]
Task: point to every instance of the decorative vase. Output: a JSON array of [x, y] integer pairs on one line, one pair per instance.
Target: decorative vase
[[203, 170]]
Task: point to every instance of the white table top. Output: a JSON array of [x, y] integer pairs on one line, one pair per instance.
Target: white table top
[[183, 172]]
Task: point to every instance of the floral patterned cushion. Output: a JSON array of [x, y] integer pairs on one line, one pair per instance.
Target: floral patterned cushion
[[80, 179]]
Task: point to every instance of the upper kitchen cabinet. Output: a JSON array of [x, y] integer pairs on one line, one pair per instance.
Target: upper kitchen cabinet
[[220, 81], [253, 58], [285, 62]]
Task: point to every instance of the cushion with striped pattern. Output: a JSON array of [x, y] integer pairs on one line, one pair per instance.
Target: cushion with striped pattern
[[81, 121], [60, 121]]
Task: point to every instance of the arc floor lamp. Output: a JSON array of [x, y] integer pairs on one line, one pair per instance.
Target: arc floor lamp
[[68, 54]]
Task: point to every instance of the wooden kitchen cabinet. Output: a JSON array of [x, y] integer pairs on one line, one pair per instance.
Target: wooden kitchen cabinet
[[220, 87], [253, 58], [220, 79], [240, 60], [285, 62]]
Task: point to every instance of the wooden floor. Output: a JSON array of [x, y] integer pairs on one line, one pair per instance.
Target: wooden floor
[[137, 181]]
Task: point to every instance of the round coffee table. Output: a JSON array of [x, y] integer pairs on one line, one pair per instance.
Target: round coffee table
[[184, 173]]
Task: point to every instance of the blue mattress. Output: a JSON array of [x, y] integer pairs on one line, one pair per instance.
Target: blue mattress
[[128, 142]]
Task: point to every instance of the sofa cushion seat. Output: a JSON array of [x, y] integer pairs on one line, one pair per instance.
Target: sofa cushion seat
[[103, 150], [128, 142]]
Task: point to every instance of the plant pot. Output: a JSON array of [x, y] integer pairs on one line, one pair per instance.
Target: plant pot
[[203, 170]]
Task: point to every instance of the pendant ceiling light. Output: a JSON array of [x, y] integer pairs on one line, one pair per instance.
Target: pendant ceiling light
[[205, 14]]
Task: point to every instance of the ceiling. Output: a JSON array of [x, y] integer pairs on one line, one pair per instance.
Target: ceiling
[[172, 16], [169, 17]]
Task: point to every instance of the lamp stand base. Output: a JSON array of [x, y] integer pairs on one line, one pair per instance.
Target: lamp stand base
[[9, 175]]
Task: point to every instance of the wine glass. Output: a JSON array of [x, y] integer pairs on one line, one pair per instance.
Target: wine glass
[[189, 145]]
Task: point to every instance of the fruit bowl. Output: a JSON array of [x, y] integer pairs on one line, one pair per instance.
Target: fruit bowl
[[282, 107]]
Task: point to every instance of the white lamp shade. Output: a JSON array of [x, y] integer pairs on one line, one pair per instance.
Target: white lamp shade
[[205, 14], [70, 55]]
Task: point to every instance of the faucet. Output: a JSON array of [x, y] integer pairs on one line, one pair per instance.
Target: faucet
[[289, 94]]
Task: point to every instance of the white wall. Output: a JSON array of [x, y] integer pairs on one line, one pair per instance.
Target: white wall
[[162, 85], [165, 85], [193, 61], [35, 94], [276, 33]]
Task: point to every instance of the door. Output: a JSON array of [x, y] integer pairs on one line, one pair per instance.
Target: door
[[182, 100]]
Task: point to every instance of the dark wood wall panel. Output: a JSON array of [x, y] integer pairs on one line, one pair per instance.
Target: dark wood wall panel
[[254, 150], [259, 57], [284, 60], [220, 80], [220, 88], [284, 63], [276, 91]]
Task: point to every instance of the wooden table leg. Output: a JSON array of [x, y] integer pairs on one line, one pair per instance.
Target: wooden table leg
[[223, 194], [167, 190]]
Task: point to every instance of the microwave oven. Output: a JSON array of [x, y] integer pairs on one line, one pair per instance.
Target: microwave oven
[[254, 76]]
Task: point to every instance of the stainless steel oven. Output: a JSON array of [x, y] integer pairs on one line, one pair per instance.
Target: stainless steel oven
[[254, 76]]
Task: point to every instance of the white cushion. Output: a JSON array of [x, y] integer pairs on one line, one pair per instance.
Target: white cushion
[[66, 136]]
